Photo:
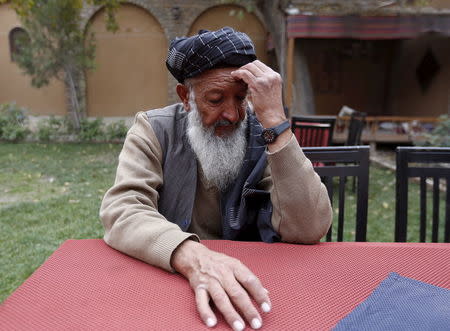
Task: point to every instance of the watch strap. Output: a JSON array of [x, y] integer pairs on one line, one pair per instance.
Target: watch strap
[[270, 134], [280, 128]]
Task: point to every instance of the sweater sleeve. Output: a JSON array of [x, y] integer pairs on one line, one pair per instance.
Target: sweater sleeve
[[301, 208], [129, 210]]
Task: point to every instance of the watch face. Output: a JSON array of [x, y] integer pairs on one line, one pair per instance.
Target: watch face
[[269, 135]]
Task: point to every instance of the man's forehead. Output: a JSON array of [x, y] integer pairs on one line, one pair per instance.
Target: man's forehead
[[219, 79]]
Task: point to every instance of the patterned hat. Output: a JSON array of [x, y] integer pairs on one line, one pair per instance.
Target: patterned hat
[[190, 56]]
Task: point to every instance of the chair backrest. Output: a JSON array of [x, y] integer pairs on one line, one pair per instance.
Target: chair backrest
[[343, 162], [313, 135], [422, 162], [355, 128], [312, 131]]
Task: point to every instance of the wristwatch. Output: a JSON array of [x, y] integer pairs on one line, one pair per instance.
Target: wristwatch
[[270, 134]]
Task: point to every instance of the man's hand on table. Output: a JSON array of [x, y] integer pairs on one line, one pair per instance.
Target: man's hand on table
[[224, 280]]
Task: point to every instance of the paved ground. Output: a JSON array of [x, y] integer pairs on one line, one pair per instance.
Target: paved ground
[[384, 157]]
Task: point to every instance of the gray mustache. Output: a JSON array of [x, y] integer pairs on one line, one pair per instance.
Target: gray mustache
[[223, 123]]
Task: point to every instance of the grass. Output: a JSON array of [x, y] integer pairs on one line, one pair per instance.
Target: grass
[[381, 209], [52, 192], [48, 194]]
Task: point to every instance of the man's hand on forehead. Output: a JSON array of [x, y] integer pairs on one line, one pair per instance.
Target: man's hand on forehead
[[265, 88], [241, 82]]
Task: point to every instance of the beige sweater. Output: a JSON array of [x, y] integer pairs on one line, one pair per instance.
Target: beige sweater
[[129, 211]]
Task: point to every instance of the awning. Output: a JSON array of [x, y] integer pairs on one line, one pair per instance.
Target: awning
[[366, 27]]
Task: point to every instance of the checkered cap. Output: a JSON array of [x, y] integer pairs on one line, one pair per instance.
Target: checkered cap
[[190, 56]]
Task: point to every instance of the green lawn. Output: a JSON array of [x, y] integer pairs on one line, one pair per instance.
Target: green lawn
[[51, 192], [48, 194], [381, 209]]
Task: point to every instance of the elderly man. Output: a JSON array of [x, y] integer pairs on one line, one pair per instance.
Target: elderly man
[[222, 164]]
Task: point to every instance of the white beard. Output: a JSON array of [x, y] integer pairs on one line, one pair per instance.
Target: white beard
[[220, 158]]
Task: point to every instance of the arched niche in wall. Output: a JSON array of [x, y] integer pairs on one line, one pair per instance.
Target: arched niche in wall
[[217, 17], [131, 74], [14, 85], [17, 38]]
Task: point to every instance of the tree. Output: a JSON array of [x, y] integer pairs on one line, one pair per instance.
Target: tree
[[274, 15], [57, 46], [275, 19]]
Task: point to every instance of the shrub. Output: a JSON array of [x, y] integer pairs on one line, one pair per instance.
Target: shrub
[[116, 131], [91, 130], [51, 128], [13, 122], [440, 136]]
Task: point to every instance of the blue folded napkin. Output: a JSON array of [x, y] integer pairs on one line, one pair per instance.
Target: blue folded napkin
[[401, 303]]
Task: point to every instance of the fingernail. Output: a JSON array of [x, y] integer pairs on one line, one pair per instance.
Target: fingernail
[[238, 326], [256, 323], [265, 307], [210, 322]]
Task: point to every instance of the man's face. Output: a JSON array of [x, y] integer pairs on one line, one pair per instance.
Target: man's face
[[220, 99], [216, 127]]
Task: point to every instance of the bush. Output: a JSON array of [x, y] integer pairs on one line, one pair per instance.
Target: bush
[[440, 136], [91, 130], [13, 122], [51, 128], [116, 131]]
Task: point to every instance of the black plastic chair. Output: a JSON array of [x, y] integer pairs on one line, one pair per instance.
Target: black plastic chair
[[355, 128], [343, 162], [312, 131], [426, 162]]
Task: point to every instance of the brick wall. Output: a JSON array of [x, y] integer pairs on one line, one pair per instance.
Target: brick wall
[[175, 17]]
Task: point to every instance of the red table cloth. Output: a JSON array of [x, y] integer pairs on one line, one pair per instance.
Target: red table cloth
[[86, 285]]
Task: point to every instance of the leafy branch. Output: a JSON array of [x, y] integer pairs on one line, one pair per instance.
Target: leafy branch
[[56, 45]]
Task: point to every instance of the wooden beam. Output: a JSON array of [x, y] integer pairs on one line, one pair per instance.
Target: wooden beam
[[289, 72]]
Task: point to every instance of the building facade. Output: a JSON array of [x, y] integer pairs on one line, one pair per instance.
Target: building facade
[[384, 58], [330, 54], [130, 73]]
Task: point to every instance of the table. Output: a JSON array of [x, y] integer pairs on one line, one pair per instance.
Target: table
[[87, 285]]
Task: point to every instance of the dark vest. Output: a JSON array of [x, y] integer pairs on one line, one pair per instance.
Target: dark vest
[[246, 210]]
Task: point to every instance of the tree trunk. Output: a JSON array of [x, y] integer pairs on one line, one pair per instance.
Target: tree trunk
[[74, 107], [275, 20]]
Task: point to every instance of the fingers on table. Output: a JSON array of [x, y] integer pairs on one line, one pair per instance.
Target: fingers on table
[[225, 306], [254, 287], [231, 296], [220, 298], [241, 300], [203, 307]]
